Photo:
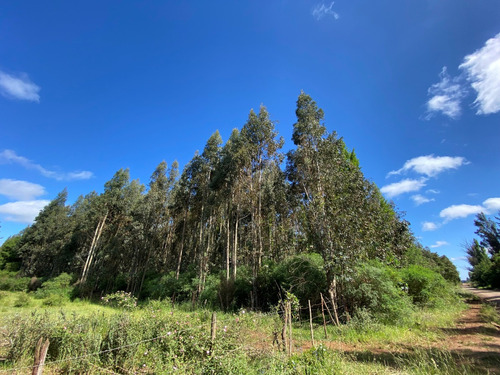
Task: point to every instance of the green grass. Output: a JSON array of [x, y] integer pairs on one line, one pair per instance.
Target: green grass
[[242, 346], [489, 314]]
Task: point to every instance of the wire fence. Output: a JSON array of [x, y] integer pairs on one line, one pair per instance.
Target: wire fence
[[264, 339]]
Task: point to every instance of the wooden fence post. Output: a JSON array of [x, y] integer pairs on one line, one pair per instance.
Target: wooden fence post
[[213, 331], [323, 314], [290, 339], [327, 309], [40, 354], [285, 324], [311, 323]]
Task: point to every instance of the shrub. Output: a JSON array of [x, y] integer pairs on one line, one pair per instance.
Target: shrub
[[22, 300], [11, 281], [120, 299], [56, 290], [425, 286], [377, 290], [303, 275]]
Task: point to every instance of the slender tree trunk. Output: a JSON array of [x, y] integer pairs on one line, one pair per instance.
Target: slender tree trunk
[[90, 256], [235, 246], [228, 247], [179, 260]]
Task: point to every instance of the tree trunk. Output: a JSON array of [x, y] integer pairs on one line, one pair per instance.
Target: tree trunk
[[93, 245]]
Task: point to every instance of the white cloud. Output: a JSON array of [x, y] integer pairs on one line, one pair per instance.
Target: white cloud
[[431, 165], [322, 10], [459, 211], [429, 226], [401, 187], [483, 71], [20, 190], [19, 87], [420, 199], [83, 175], [9, 156], [458, 258], [432, 191], [446, 97], [439, 244], [22, 211], [492, 205]]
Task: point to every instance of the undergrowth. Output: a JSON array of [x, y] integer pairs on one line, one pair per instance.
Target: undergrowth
[[158, 338]]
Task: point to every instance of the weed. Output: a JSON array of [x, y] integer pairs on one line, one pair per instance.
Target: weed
[[489, 314]]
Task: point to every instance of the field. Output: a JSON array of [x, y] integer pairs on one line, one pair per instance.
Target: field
[[157, 337]]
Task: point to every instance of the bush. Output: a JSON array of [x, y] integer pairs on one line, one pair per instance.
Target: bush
[[303, 275], [377, 290], [167, 286], [210, 295], [425, 286], [120, 299], [22, 300], [11, 281], [57, 289]]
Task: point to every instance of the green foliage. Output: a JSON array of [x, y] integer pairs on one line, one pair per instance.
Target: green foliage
[[376, 292], [120, 299], [233, 230], [489, 314], [22, 300], [425, 286], [168, 286], [485, 271], [9, 254], [11, 281], [303, 275]]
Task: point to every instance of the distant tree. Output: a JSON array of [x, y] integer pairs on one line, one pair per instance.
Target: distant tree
[[9, 253], [489, 233], [43, 244]]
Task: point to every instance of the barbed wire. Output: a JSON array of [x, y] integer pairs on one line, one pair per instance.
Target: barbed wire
[[169, 334], [78, 358]]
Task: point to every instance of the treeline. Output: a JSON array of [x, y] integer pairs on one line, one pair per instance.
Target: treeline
[[484, 255], [239, 215]]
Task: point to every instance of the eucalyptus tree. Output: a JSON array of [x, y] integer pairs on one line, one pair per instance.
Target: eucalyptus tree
[[261, 150], [43, 245], [108, 256]]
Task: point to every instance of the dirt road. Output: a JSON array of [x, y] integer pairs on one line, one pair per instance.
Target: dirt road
[[490, 296]]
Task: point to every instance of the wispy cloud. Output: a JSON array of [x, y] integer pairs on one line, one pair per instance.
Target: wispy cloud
[[20, 190], [430, 165], [429, 226], [446, 96], [483, 72], [22, 211], [10, 157], [420, 199], [321, 10], [480, 71], [401, 187], [439, 244], [18, 87], [432, 191]]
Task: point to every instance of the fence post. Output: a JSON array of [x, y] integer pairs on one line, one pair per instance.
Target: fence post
[[290, 340], [213, 331], [327, 309], [40, 354], [323, 314], [311, 323], [285, 324]]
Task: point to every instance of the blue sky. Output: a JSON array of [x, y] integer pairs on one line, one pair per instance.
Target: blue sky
[[90, 87]]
